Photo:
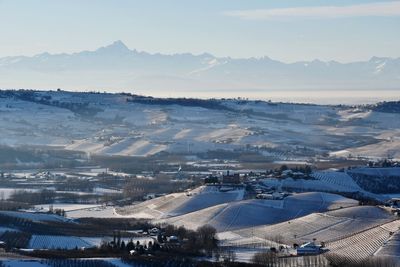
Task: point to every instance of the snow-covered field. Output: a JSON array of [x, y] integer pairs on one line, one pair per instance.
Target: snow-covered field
[[255, 212], [65, 206], [119, 127], [93, 212], [226, 211]]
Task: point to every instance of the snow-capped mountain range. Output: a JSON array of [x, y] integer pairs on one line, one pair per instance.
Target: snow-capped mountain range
[[116, 67]]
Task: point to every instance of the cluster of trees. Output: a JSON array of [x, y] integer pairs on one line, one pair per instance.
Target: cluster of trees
[[76, 263], [136, 188], [9, 155], [387, 107], [202, 239], [81, 108], [377, 184], [129, 164], [14, 239], [60, 212], [33, 198], [12, 158], [75, 184], [12, 205], [118, 245], [385, 163], [306, 170]]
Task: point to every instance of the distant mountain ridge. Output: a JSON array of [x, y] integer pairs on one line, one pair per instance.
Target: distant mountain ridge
[[117, 67]]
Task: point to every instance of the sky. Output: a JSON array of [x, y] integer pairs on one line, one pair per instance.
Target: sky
[[286, 30]]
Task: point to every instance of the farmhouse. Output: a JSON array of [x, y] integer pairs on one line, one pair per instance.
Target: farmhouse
[[211, 180], [309, 248], [273, 196], [231, 178]]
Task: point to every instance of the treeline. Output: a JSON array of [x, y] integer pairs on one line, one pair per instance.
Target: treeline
[[12, 205], [15, 239], [385, 163], [137, 188], [202, 239], [387, 107], [129, 164], [9, 155], [33, 198], [45, 158], [80, 108], [187, 102], [377, 184], [184, 242], [75, 184]]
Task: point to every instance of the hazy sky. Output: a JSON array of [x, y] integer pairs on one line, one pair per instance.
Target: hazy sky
[[287, 30]]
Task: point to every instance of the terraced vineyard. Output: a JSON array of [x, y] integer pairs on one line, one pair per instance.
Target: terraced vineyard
[[254, 212], [339, 180], [34, 216], [179, 203], [359, 246], [328, 227], [57, 242], [321, 226], [391, 248]]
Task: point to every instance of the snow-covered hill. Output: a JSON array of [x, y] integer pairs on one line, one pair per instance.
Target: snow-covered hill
[[122, 124]]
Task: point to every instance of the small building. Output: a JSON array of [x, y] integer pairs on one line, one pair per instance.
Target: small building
[[287, 173], [231, 178], [172, 239], [393, 203], [273, 196], [211, 180], [309, 248], [154, 231]]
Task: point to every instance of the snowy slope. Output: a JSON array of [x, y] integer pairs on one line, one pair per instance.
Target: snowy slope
[[179, 203], [110, 124], [251, 213]]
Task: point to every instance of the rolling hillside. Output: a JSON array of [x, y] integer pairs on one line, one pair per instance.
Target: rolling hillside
[[129, 125]]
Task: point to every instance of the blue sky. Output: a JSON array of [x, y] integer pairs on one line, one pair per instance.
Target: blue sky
[[343, 30]]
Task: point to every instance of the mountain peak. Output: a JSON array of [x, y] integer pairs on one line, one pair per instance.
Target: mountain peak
[[116, 47]]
